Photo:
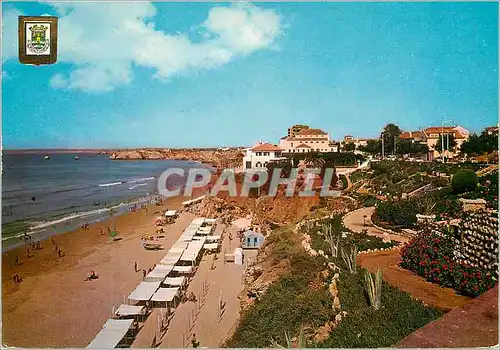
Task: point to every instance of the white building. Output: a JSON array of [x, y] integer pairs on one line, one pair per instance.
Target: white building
[[308, 140], [260, 155]]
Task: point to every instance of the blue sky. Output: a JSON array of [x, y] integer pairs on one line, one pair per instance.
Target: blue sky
[[195, 74]]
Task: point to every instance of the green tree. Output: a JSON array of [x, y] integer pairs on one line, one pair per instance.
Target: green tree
[[314, 160], [409, 147], [463, 181], [449, 142], [390, 134], [349, 147], [480, 144], [372, 147]]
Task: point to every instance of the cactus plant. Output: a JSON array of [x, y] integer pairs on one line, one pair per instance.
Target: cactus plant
[[350, 259], [374, 288], [330, 239], [302, 343]]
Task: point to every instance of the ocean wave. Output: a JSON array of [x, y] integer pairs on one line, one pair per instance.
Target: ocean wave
[[138, 185], [76, 215], [111, 184], [141, 180]]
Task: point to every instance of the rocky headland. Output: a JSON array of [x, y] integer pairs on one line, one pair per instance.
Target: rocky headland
[[217, 157]]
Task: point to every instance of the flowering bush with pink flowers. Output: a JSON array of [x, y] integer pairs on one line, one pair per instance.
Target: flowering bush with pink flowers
[[431, 256]]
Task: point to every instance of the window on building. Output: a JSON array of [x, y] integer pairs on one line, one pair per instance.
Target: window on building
[[258, 154], [258, 165], [266, 153]]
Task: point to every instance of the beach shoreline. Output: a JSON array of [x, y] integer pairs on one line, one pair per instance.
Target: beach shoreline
[[53, 304]]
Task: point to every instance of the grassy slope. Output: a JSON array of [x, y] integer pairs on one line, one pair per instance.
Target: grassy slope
[[290, 303]]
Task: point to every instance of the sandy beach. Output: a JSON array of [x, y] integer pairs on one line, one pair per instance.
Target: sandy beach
[[54, 306]]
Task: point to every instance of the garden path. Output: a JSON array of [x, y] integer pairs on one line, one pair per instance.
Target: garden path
[[354, 222], [429, 293]]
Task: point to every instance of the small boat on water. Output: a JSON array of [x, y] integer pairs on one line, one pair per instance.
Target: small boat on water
[[77, 158], [47, 157]]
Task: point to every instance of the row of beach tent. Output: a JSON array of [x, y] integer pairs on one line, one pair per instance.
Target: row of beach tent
[[164, 283]]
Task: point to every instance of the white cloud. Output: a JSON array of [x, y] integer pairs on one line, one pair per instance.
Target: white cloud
[[58, 82], [10, 33], [104, 44]]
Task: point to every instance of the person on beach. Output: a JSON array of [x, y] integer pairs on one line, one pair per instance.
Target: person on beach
[[135, 267], [60, 253], [17, 260], [143, 274], [16, 278], [53, 241], [194, 342], [192, 297], [102, 231]]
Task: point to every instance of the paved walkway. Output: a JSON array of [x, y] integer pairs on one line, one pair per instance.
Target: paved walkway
[[474, 325], [202, 319], [354, 222]]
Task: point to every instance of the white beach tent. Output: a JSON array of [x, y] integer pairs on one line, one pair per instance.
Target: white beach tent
[[165, 294], [125, 310], [175, 281], [118, 324], [214, 238], [210, 221], [159, 273], [198, 221], [170, 258], [211, 246], [183, 270], [144, 291], [107, 339], [111, 334]]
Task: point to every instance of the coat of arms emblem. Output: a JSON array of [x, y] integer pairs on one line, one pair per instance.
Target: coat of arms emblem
[[37, 39], [39, 42]]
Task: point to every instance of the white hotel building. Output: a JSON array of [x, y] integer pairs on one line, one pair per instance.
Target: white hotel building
[[307, 140], [260, 155]]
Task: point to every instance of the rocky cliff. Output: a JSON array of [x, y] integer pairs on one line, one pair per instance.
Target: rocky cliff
[[229, 158]]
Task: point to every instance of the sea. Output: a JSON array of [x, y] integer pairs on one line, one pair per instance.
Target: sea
[[43, 197]]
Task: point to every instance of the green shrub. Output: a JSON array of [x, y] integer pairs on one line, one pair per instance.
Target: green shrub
[[398, 213], [431, 256], [463, 181]]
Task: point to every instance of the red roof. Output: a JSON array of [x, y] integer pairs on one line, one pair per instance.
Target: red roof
[[446, 129], [266, 147], [311, 132], [411, 135], [306, 139]]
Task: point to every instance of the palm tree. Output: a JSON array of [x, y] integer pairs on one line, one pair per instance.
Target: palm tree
[[314, 160]]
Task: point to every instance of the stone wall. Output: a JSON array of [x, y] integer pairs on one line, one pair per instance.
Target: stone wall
[[476, 242], [473, 204]]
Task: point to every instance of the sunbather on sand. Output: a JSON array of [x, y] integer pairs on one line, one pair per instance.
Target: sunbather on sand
[[92, 276]]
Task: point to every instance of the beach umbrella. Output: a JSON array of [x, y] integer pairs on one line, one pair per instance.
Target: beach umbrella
[[113, 233]]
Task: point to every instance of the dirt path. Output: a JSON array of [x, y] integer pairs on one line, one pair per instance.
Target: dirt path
[[430, 294], [354, 222], [474, 325]]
